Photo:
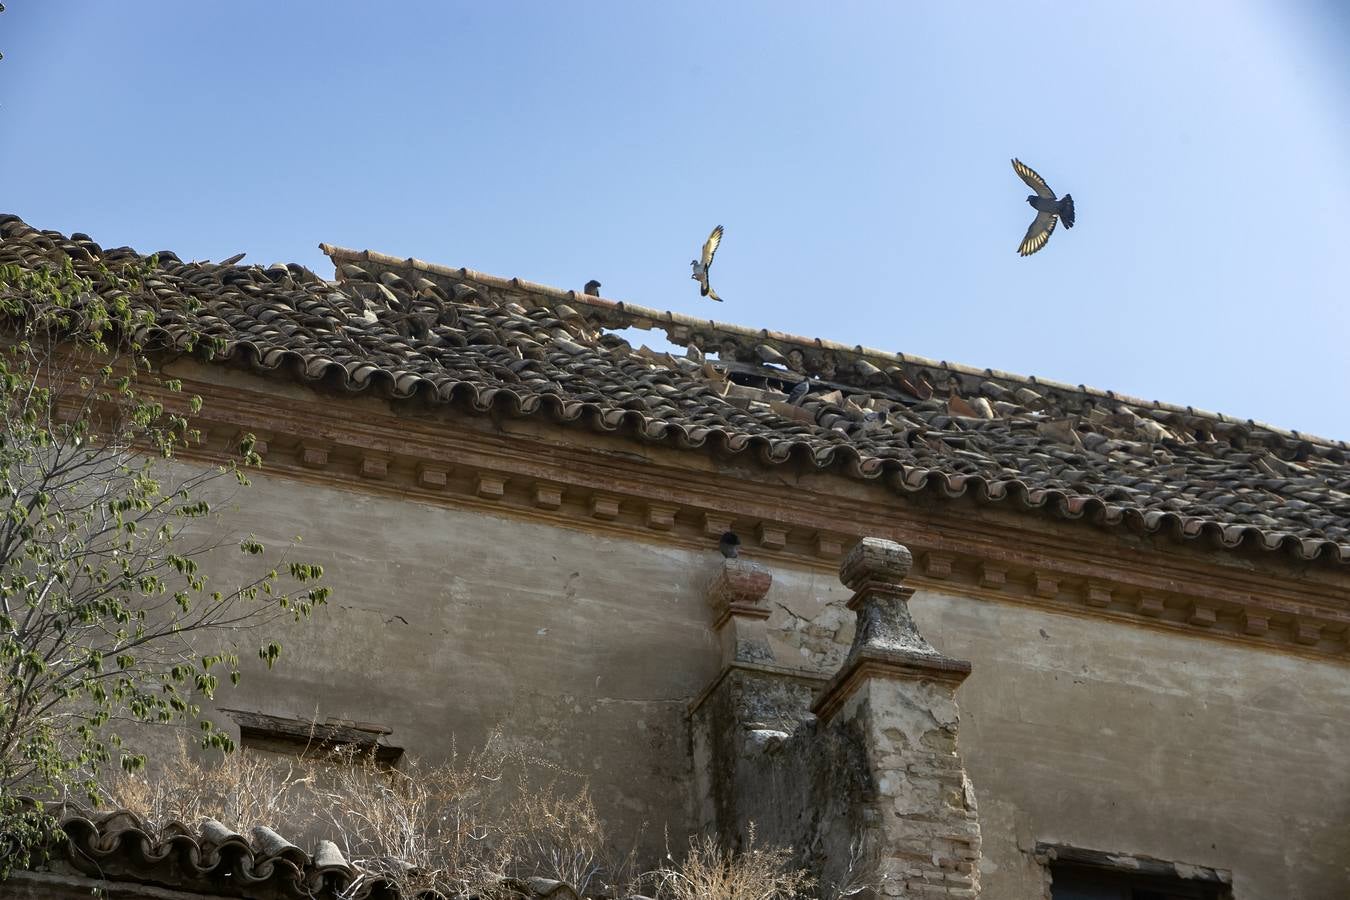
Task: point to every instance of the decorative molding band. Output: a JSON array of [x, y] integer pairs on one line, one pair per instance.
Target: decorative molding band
[[665, 497]]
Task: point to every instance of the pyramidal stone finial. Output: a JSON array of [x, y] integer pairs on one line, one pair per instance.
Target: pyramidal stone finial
[[875, 570], [886, 642]]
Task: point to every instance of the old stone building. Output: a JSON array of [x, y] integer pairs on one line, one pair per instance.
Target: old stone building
[[1113, 657]]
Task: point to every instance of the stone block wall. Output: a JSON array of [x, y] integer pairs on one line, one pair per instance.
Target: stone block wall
[[861, 776]]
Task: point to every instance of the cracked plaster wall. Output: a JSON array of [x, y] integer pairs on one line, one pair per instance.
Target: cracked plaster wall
[[587, 651], [1108, 736], [584, 650]]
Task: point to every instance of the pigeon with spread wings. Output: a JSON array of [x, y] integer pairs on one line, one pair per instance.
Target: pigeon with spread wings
[[1049, 209], [702, 264]]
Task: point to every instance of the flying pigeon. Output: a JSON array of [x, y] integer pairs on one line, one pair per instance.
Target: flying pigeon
[[799, 392], [1048, 208], [701, 265], [730, 544]]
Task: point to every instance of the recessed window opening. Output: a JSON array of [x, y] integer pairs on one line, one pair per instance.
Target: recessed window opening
[[1078, 874], [294, 737]]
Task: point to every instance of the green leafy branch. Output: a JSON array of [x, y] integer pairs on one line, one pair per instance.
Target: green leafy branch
[[107, 615]]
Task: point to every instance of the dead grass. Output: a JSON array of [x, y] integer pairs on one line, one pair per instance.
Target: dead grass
[[473, 826], [468, 827], [710, 872], [239, 789]]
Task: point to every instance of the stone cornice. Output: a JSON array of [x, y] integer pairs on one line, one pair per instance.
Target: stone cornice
[[881, 666], [533, 469], [814, 681]]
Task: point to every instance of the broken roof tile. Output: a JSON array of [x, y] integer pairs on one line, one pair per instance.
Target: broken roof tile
[[404, 327]]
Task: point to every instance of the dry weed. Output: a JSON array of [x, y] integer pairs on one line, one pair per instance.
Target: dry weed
[[471, 826], [554, 832], [710, 872], [420, 827], [237, 789]]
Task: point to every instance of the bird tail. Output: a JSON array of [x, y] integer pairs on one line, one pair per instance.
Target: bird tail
[[1066, 210], [712, 295]]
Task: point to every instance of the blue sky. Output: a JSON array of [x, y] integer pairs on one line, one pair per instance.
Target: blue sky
[[857, 154]]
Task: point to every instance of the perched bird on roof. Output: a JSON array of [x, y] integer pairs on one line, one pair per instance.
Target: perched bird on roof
[[730, 544], [593, 288], [702, 264], [799, 392], [1049, 209]]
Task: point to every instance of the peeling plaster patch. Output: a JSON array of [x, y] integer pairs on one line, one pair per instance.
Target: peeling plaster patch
[[765, 738], [822, 639], [1190, 873]]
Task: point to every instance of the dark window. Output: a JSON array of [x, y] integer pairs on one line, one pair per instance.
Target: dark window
[[1075, 883], [1078, 874], [291, 737]]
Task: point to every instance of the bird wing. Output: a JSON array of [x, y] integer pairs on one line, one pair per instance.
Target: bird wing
[[710, 247], [1038, 233], [1034, 181]]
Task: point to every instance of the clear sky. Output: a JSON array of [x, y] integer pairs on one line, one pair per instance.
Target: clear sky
[[857, 154]]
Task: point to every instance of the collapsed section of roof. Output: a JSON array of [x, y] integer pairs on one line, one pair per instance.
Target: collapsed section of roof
[[409, 329]]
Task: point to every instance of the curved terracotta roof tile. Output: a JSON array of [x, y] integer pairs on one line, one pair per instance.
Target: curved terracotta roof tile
[[213, 859], [404, 328]]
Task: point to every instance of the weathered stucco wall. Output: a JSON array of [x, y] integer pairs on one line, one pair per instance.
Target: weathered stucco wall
[[1119, 738], [585, 651], [1083, 731]]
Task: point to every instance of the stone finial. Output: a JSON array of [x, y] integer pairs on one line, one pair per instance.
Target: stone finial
[[736, 596], [875, 561], [886, 642], [738, 589], [896, 694], [875, 570]]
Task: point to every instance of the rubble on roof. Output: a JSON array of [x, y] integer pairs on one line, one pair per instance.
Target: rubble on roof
[[452, 336]]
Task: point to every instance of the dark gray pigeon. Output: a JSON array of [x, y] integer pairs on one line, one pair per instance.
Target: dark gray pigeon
[[1049, 209], [704, 263], [799, 392], [730, 544]]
